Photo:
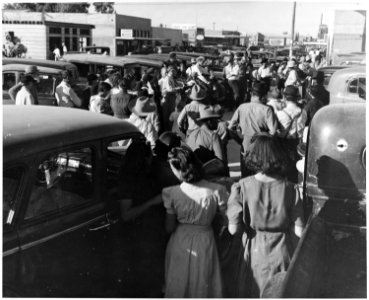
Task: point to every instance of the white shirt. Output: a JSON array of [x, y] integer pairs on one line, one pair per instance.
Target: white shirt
[[66, 96], [24, 97], [231, 71], [56, 53], [200, 71], [292, 121], [264, 72], [146, 127]]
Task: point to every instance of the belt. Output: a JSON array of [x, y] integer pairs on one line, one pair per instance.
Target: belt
[[195, 227]]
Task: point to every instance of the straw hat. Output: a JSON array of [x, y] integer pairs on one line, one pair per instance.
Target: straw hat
[[291, 64], [142, 106]]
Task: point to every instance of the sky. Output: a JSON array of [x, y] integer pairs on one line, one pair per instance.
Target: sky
[[248, 17]]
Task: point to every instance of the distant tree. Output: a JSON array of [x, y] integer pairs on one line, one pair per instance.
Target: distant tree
[[104, 7], [76, 7]]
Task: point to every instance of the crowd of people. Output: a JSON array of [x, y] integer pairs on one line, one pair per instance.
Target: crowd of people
[[180, 112]]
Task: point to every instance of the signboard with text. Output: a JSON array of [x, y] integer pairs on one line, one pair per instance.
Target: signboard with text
[[126, 33]]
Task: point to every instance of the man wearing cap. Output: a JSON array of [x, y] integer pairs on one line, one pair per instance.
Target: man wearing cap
[[24, 96], [231, 73], [252, 118], [64, 93], [143, 116], [32, 71], [187, 119], [205, 141]]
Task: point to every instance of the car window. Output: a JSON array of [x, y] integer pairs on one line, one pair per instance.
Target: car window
[[9, 80], [46, 85], [63, 180], [11, 184], [358, 86]]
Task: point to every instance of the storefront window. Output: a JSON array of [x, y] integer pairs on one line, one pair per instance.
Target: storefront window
[[84, 31], [74, 30], [66, 30], [55, 30]]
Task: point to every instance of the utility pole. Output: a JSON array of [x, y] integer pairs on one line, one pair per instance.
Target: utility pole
[[293, 28]]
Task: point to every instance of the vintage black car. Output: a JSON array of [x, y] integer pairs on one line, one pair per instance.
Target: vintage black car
[[61, 231], [330, 259]]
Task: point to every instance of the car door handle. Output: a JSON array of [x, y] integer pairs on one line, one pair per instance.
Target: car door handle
[[107, 225]]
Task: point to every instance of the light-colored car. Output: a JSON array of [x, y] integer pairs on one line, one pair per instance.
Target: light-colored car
[[348, 85]]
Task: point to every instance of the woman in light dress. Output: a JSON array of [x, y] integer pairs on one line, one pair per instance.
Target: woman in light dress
[[192, 267]]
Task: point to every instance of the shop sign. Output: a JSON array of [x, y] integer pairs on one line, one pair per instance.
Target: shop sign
[[126, 33]]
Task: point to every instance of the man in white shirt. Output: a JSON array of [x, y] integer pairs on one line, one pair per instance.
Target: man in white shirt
[[56, 52], [65, 95], [265, 74], [231, 73], [199, 70], [24, 96]]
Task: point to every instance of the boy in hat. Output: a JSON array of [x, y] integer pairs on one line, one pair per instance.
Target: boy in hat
[[32, 71], [187, 119], [204, 140], [252, 118], [24, 96]]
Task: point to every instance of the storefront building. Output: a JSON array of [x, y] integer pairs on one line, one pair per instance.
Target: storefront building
[[41, 35]]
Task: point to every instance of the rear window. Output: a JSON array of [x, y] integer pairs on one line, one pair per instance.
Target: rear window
[[358, 86]]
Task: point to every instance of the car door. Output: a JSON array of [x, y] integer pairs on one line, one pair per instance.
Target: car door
[[62, 224]]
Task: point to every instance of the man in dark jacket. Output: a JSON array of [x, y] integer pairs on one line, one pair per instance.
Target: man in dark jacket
[[319, 90]]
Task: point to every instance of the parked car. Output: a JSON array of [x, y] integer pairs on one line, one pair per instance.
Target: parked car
[[348, 85], [330, 259], [99, 64], [61, 65], [328, 72], [62, 235], [49, 80]]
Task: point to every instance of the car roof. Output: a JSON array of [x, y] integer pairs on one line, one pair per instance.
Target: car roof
[[196, 54], [87, 58], [335, 84], [30, 129], [119, 61], [21, 68], [39, 63]]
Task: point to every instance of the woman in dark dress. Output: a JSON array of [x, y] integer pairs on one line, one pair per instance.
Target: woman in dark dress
[[269, 209]]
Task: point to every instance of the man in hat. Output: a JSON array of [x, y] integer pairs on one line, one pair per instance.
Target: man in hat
[[292, 123], [173, 61], [32, 71], [252, 118], [292, 77], [144, 116], [187, 119], [204, 140], [24, 96], [242, 80], [64, 93]]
